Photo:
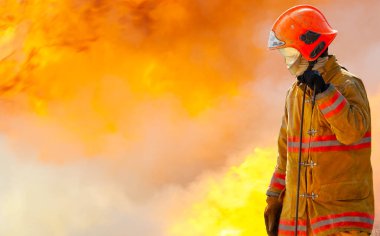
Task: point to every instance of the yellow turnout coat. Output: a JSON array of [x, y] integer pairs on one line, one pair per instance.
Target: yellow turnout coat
[[336, 191]]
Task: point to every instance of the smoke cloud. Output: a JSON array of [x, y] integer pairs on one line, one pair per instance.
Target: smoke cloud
[[134, 117]]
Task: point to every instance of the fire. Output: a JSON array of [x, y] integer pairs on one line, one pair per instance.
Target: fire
[[149, 94], [90, 66], [62, 47], [231, 205]]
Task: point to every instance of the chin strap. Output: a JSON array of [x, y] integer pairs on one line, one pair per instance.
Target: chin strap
[[311, 65], [310, 68]]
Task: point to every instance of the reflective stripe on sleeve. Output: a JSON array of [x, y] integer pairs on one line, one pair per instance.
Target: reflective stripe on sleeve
[[334, 105], [272, 194], [278, 181]]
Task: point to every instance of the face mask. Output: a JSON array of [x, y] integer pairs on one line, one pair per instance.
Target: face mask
[[291, 55], [297, 64]]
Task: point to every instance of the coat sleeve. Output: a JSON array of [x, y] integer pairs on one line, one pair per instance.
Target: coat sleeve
[[277, 184], [346, 110]]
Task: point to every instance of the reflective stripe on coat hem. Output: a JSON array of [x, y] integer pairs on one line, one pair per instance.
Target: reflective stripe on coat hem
[[327, 143], [287, 227], [358, 220]]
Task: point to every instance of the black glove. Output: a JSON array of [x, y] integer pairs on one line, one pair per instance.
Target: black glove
[[272, 215], [312, 78]]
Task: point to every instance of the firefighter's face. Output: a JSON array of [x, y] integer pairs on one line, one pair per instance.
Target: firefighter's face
[[295, 63], [291, 56]]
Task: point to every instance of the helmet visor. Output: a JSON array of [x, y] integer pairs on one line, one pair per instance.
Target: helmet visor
[[273, 41], [291, 55]]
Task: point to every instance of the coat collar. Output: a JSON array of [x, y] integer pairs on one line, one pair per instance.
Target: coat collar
[[328, 72]]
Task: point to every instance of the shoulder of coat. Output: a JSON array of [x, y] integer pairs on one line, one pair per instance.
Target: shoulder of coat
[[292, 89], [346, 79]]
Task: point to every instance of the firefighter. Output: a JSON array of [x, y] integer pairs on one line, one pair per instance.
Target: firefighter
[[335, 184]]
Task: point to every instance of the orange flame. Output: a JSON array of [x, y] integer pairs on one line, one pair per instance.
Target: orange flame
[[90, 66]]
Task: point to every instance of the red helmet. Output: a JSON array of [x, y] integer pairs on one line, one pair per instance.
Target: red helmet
[[304, 28]]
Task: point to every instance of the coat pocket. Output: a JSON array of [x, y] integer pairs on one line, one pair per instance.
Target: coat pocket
[[353, 190]]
